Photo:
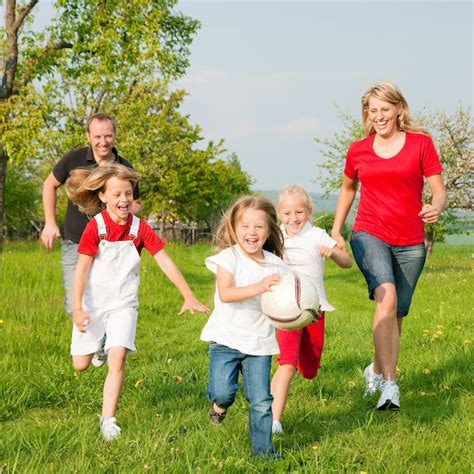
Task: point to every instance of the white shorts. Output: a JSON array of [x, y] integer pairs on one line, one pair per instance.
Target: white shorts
[[120, 326]]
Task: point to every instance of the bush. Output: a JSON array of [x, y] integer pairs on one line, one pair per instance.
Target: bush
[[325, 220]]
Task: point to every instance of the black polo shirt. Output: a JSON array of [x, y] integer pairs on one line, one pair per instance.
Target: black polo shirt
[[75, 221]]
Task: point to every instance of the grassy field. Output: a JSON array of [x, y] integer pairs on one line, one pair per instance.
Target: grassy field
[[48, 413]]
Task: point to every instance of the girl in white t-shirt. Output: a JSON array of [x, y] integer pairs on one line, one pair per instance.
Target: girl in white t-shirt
[[240, 336], [306, 247]]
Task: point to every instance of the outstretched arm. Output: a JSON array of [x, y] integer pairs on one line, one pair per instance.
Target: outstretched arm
[[228, 293], [344, 202], [169, 268], [430, 213], [51, 229]]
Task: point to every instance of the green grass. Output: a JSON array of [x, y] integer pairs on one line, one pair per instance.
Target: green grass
[[48, 413]]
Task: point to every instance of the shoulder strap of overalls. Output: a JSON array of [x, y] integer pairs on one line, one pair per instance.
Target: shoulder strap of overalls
[[134, 227], [101, 229]]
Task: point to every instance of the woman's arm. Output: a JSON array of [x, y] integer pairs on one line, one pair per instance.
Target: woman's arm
[[169, 268], [430, 213], [228, 293], [344, 202], [79, 316]]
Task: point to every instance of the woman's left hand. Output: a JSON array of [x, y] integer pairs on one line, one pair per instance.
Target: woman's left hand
[[192, 304], [429, 214]]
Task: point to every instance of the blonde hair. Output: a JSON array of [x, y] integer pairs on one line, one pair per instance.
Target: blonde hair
[[84, 185], [226, 236], [297, 191], [389, 92]]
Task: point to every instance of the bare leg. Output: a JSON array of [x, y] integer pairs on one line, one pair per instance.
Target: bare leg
[[280, 386], [81, 363], [116, 357], [386, 331]]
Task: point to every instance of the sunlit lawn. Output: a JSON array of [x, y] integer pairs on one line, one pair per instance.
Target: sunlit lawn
[[48, 413]]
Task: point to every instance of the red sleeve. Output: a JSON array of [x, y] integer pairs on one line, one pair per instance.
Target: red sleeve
[[89, 243], [150, 240], [349, 169], [429, 160]]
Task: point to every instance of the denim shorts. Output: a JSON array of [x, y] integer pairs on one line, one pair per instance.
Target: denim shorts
[[381, 262]]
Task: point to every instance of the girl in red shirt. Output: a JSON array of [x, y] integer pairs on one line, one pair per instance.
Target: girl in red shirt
[[107, 276]]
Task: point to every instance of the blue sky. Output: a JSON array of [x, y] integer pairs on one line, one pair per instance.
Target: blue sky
[[268, 76]]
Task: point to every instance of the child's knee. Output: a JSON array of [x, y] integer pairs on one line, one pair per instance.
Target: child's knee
[[81, 363], [222, 396], [116, 357]]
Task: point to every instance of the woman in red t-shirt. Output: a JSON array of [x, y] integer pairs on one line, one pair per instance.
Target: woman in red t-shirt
[[388, 233]]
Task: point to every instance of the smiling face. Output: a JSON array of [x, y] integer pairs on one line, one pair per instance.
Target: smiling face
[[383, 117], [118, 199], [252, 232], [101, 136], [294, 213]]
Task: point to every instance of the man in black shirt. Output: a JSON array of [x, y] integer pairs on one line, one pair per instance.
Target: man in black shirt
[[101, 136]]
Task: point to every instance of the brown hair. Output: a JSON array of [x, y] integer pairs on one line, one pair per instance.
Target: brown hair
[[389, 92], [225, 235], [84, 184], [101, 117]]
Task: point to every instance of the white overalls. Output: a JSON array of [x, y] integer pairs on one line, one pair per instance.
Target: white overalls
[[111, 294]]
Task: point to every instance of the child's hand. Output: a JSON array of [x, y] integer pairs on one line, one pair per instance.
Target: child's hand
[[325, 252], [191, 304], [81, 319], [266, 284]]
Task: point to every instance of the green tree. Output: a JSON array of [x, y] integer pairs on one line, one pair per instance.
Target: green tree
[[93, 55], [22, 200], [453, 137]]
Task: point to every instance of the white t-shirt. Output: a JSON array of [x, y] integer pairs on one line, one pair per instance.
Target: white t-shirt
[[302, 256], [242, 325]]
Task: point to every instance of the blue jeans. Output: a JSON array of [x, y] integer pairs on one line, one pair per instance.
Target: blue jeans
[[69, 258], [381, 262], [224, 367]]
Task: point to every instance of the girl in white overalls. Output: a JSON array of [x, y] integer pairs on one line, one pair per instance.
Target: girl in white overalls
[[107, 277]]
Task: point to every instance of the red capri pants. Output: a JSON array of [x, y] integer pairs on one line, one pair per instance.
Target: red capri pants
[[302, 348]]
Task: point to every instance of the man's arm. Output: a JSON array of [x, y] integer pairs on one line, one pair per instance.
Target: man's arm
[[51, 229]]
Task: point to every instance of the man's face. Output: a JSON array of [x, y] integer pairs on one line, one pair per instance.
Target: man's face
[[101, 136]]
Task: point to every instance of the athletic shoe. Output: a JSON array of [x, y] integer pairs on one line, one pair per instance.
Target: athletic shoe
[[373, 381], [216, 418], [100, 357], [109, 428], [390, 397], [276, 427]]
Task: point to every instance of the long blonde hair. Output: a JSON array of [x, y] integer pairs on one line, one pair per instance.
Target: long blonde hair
[[225, 235], [84, 185], [389, 92]]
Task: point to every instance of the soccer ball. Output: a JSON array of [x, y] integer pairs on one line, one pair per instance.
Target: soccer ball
[[291, 304]]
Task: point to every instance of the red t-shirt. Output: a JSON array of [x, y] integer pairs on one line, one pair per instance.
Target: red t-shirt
[[89, 243], [391, 189]]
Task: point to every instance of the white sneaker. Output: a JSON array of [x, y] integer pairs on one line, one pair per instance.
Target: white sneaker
[[276, 427], [109, 428], [373, 381], [390, 397], [100, 357]]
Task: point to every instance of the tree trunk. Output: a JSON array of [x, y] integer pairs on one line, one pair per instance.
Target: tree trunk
[[3, 175]]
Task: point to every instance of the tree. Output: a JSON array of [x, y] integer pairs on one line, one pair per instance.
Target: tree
[[453, 136], [334, 151], [94, 54]]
